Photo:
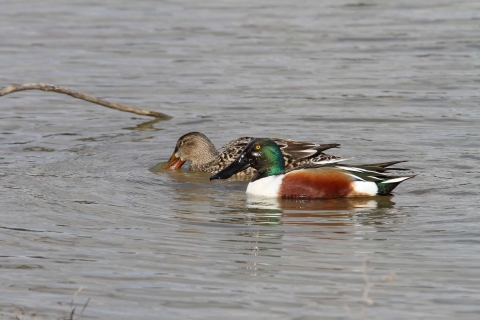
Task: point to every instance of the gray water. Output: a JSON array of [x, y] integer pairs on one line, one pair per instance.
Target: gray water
[[394, 80]]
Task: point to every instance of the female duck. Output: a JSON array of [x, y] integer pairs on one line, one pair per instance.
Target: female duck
[[308, 182], [204, 157]]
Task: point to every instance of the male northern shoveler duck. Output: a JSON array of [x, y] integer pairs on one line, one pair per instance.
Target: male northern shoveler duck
[[198, 149], [309, 182]]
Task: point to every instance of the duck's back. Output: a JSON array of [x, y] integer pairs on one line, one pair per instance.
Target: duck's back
[[295, 154]]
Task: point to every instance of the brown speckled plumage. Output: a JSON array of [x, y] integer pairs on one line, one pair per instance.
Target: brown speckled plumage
[[204, 157]]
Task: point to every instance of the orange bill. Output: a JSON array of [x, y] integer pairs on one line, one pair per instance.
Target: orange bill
[[174, 163]]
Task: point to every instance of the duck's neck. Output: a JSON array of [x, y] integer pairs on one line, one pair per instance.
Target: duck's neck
[[204, 155]]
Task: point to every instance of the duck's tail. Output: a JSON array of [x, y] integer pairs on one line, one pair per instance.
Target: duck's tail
[[386, 186], [375, 172]]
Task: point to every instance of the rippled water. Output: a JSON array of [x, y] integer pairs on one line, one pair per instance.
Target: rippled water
[[80, 207]]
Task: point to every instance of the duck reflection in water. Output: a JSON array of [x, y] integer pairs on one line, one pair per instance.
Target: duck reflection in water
[[270, 234], [319, 205], [296, 211]]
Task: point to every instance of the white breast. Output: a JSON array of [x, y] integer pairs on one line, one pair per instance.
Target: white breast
[[266, 187]]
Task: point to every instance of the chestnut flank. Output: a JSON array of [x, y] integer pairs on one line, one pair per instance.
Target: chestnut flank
[[316, 184]]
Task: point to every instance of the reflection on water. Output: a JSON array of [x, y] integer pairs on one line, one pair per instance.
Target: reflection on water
[[327, 212], [324, 204], [147, 126]]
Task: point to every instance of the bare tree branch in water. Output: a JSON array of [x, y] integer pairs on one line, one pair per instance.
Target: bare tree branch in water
[[369, 283], [72, 309], [48, 87], [21, 314]]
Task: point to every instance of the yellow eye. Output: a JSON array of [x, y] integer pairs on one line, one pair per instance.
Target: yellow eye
[[257, 147]]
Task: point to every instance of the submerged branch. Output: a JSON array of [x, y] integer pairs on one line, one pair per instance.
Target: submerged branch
[[371, 282], [21, 314], [48, 87]]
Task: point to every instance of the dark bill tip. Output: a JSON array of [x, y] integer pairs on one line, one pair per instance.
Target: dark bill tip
[[215, 176], [238, 165]]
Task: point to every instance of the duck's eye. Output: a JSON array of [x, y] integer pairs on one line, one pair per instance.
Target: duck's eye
[[257, 147]]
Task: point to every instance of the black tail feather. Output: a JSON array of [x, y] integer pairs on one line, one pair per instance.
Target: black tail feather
[[387, 188]]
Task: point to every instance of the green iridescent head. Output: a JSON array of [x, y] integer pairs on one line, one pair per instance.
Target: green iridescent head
[[261, 154], [265, 156]]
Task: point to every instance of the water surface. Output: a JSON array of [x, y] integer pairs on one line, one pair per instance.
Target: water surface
[[80, 207]]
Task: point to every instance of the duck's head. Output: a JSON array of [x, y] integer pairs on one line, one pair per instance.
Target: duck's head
[[261, 154], [194, 147]]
